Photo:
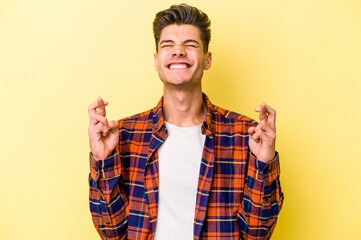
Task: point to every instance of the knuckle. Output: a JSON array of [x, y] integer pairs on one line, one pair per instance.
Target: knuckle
[[91, 131], [99, 118]]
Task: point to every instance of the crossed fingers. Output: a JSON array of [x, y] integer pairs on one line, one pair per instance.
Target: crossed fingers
[[267, 115], [266, 129], [98, 121]]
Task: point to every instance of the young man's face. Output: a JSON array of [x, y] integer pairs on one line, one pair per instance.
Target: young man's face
[[180, 59]]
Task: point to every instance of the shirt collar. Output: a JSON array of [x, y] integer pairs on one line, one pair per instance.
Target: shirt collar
[[208, 122]]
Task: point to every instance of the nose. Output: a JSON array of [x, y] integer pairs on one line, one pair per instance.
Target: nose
[[179, 51]]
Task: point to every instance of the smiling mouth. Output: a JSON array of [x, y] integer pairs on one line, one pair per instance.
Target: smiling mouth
[[179, 66]]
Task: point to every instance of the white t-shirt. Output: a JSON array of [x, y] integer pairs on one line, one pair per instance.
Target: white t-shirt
[[179, 163]]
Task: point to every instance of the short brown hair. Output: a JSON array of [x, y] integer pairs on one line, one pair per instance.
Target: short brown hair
[[183, 14]]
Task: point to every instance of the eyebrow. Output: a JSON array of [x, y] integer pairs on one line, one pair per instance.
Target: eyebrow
[[186, 41], [191, 41], [166, 41]]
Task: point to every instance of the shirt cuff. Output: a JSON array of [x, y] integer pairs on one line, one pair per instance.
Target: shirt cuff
[[105, 169], [264, 172]]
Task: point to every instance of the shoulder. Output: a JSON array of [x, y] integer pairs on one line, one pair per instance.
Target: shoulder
[[226, 116], [137, 121]]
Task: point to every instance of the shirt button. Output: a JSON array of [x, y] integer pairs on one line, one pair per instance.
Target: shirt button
[[105, 168], [151, 146], [266, 200], [96, 169]]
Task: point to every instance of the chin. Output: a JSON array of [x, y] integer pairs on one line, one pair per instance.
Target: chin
[[176, 81]]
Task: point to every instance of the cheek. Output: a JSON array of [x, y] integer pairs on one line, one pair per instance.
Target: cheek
[[201, 63], [160, 61]]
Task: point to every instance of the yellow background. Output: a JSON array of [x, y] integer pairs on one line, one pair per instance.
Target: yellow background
[[56, 56]]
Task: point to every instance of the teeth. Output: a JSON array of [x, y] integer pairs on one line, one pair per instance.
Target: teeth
[[173, 66]]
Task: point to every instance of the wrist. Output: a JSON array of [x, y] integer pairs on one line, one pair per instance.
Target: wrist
[[98, 158], [266, 159]]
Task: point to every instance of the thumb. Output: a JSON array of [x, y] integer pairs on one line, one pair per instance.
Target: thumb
[[251, 130], [113, 125]]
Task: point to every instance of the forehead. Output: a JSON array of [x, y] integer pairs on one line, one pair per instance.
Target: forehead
[[180, 33]]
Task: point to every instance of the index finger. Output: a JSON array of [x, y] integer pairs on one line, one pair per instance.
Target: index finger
[[98, 103], [101, 106], [271, 114], [267, 113]]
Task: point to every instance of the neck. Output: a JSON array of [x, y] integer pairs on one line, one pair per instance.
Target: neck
[[184, 108]]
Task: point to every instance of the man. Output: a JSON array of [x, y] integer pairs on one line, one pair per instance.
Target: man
[[185, 169]]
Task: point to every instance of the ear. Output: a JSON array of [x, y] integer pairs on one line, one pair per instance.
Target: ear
[[155, 61], [208, 60]]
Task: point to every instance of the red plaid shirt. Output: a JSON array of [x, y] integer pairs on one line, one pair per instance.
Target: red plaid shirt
[[238, 196]]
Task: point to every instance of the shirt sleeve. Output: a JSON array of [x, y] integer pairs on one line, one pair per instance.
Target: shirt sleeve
[[108, 200], [262, 199]]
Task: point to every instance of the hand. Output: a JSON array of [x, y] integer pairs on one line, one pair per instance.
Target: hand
[[103, 135], [263, 137]]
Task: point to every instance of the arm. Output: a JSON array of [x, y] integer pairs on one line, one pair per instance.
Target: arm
[[263, 198], [108, 203]]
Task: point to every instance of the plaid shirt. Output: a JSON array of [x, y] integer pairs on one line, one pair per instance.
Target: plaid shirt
[[238, 196]]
